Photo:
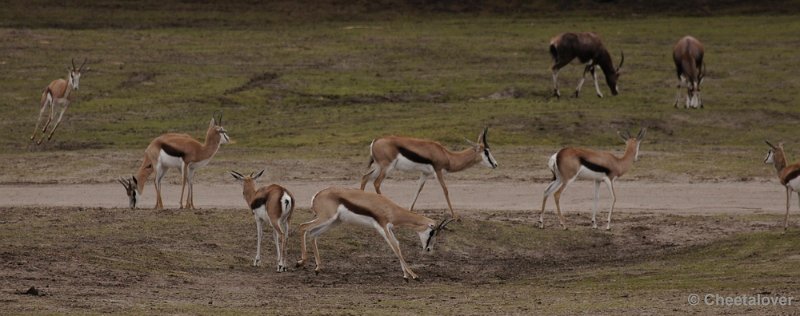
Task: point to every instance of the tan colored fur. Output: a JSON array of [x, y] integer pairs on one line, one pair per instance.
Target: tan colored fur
[[784, 171], [386, 213], [568, 166], [386, 149], [57, 94], [194, 152]]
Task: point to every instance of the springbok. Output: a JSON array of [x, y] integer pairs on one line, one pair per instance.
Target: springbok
[[427, 157], [173, 150], [58, 93], [688, 57], [787, 174], [334, 205], [569, 164], [269, 203], [589, 50]]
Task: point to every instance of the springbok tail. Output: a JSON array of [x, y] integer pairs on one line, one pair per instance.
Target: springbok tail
[[287, 205], [556, 182]]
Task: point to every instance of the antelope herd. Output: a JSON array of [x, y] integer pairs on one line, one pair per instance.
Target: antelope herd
[[275, 204]]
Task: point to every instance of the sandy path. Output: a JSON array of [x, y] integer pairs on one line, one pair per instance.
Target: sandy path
[[638, 196]]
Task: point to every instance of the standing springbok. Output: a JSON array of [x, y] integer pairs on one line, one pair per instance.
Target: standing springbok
[[688, 57], [173, 150], [334, 205], [58, 93], [427, 157], [787, 174], [589, 50], [273, 203], [569, 164]]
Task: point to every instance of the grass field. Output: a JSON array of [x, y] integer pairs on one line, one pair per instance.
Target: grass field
[[304, 91], [324, 89]]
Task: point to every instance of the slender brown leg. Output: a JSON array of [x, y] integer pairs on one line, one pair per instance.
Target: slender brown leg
[[303, 229], [365, 178], [379, 180], [786, 217], [446, 194], [613, 200], [557, 197], [316, 257], [60, 116], [184, 174], [39, 120], [392, 241]]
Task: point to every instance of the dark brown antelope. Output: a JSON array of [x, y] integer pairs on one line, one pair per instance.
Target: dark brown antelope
[[589, 50], [58, 94], [688, 57]]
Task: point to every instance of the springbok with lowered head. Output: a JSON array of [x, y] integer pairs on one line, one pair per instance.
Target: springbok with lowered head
[[334, 205], [428, 157], [789, 175], [688, 57], [58, 93], [589, 50], [180, 151], [271, 203], [570, 163]]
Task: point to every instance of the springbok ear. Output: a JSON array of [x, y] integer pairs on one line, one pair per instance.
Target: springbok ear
[[236, 175], [133, 179], [259, 174], [212, 123]]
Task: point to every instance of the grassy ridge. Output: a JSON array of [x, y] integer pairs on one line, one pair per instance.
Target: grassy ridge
[[333, 86]]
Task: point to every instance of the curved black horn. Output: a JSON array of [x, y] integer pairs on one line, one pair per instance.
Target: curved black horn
[[485, 132], [770, 144], [73, 64], [84, 63], [220, 118], [641, 134], [621, 60]]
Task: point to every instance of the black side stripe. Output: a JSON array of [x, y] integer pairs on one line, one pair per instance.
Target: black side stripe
[[791, 176], [594, 167], [357, 209], [172, 151], [410, 155], [259, 202]]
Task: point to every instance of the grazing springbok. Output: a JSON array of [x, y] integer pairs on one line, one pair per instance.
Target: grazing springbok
[[688, 56], [569, 164], [173, 150], [58, 93], [269, 203], [589, 50], [787, 174], [334, 205], [428, 157]]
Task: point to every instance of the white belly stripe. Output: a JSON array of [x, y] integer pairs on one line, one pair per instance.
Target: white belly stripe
[[168, 161]]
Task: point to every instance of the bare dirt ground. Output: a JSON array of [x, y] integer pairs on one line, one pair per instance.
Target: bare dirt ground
[[85, 252], [634, 196]]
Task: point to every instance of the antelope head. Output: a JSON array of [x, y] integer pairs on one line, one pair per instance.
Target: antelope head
[[215, 129], [482, 147], [131, 189], [74, 74], [612, 79], [428, 235], [633, 141]]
